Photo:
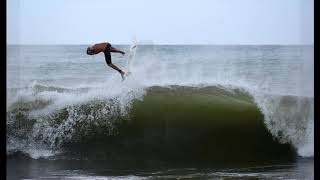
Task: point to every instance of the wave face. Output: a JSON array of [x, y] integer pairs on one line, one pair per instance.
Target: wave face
[[213, 114], [210, 123]]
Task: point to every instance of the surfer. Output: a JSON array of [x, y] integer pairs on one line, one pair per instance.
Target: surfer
[[106, 48]]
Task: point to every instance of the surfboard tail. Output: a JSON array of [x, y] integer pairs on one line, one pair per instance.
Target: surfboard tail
[[131, 57]]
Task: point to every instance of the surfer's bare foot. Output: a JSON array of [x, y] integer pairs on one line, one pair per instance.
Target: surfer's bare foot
[[122, 74]]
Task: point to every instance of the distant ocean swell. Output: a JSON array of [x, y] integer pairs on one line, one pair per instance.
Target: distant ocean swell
[[203, 123]]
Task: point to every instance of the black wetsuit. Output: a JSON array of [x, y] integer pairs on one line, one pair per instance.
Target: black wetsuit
[[107, 54]]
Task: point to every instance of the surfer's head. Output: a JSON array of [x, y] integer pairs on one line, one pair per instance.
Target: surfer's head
[[89, 50]]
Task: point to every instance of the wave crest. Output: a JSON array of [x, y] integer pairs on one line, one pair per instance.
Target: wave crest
[[55, 119]]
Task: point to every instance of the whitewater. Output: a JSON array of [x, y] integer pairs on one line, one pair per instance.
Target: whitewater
[[58, 97]]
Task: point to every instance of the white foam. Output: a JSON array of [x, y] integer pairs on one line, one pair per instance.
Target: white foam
[[295, 123]]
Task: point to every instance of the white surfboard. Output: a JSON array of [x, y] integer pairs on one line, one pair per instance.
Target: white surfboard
[[131, 58]]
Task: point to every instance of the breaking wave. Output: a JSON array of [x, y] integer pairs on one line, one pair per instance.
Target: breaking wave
[[203, 122]]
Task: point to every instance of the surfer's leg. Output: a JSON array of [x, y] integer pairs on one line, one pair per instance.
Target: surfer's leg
[[107, 56], [117, 50], [117, 69]]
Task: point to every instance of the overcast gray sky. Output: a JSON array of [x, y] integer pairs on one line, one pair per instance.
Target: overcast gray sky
[[160, 21]]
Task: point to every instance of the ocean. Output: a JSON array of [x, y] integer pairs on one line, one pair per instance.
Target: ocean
[[185, 112]]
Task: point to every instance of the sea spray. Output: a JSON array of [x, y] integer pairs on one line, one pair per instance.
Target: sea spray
[[55, 99], [43, 118], [289, 119]]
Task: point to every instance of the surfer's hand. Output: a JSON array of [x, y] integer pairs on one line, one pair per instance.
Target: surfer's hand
[[122, 53]]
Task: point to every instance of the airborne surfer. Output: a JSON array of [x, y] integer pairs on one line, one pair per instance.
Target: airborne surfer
[[106, 48]]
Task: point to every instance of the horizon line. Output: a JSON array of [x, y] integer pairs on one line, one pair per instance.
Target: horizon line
[[169, 44]]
